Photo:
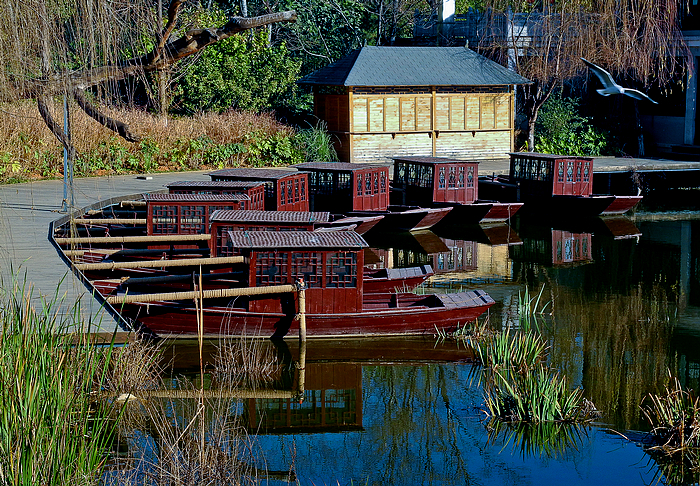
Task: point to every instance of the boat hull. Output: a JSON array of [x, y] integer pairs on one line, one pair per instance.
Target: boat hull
[[621, 205], [413, 219], [168, 319]]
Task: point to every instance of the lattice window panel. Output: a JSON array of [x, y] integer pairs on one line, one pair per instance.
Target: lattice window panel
[[164, 220], [222, 246], [309, 266], [290, 193], [359, 184], [283, 188], [341, 270], [271, 269], [192, 220]]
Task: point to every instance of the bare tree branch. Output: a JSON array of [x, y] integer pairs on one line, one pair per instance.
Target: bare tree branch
[[115, 125]]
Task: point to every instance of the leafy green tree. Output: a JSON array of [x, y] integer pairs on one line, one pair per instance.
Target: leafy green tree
[[561, 129], [240, 72]]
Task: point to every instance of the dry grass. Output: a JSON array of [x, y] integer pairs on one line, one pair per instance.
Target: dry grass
[[28, 150]]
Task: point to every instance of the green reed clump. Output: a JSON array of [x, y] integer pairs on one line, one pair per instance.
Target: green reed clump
[[675, 419], [518, 383], [50, 430]]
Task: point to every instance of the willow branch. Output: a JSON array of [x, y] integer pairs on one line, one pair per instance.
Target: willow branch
[[115, 125], [55, 128]]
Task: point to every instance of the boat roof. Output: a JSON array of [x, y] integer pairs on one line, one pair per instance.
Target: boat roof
[[338, 166], [534, 155], [414, 66], [254, 174], [217, 184], [168, 197], [270, 240], [434, 160], [252, 216]]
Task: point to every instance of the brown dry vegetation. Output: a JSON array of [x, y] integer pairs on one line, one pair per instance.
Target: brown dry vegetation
[[28, 150]]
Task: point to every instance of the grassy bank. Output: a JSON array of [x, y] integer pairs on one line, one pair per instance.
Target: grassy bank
[[29, 151], [50, 430]]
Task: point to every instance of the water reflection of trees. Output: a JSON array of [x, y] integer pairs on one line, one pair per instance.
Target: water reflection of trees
[[619, 346]]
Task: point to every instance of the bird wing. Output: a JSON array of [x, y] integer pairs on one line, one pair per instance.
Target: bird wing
[[601, 73], [637, 95]]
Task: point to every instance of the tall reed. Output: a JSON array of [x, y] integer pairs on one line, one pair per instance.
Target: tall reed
[[50, 430], [519, 386]]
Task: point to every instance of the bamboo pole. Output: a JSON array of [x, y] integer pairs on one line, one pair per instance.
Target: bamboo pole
[[185, 262], [137, 251], [132, 239], [192, 394], [110, 221], [138, 204], [169, 278], [206, 294]]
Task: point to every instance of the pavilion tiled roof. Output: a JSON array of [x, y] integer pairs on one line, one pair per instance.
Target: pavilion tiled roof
[[215, 184], [251, 216], [433, 160], [413, 66], [253, 174], [167, 197], [337, 166], [340, 240]]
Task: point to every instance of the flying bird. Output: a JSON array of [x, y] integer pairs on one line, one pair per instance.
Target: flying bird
[[610, 87]]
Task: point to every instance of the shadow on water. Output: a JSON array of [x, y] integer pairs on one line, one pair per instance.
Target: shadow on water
[[623, 310]]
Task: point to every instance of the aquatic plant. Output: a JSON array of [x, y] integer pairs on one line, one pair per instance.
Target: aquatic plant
[[675, 419], [545, 439], [518, 383], [50, 430]]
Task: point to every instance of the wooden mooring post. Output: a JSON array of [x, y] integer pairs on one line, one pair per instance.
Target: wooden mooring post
[[301, 297]]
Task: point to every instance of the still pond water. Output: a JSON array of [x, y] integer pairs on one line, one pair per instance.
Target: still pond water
[[623, 310]]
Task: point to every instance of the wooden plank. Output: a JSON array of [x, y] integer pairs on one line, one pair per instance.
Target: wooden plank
[[424, 115], [442, 113], [473, 116], [101, 221], [360, 115], [408, 113], [376, 114], [132, 239], [503, 115], [186, 262], [392, 121], [205, 294], [488, 112], [457, 112]]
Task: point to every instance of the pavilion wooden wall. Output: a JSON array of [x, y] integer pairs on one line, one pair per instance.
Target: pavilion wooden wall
[[461, 122]]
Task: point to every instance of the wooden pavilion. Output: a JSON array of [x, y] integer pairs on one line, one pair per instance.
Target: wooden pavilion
[[382, 102]]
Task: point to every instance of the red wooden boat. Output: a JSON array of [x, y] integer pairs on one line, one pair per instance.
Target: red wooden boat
[[331, 264], [362, 190], [554, 185], [447, 183], [285, 190]]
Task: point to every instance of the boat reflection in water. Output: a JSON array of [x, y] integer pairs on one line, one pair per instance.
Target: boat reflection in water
[[626, 303]]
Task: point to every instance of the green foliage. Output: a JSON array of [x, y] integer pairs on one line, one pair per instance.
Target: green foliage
[[239, 72], [317, 144], [519, 386], [560, 129], [50, 431], [271, 151]]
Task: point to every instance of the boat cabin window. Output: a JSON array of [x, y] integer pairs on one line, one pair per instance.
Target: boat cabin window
[[271, 269], [341, 270], [164, 219], [192, 219], [278, 268], [309, 266]]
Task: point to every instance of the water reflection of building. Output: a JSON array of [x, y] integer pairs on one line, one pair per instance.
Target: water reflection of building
[[331, 402], [558, 248], [483, 252]]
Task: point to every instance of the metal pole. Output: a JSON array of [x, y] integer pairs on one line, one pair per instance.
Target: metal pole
[[64, 205]]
